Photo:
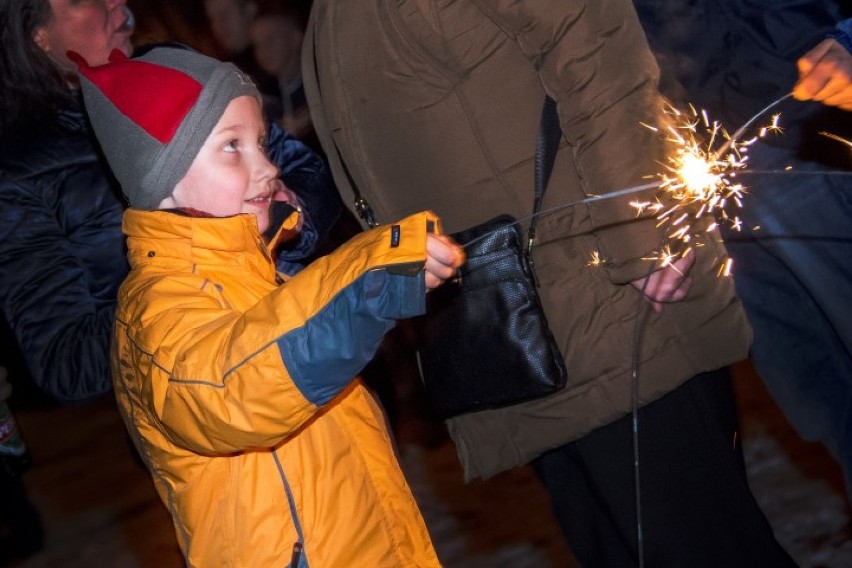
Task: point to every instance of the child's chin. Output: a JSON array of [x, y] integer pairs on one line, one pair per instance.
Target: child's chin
[[262, 223]]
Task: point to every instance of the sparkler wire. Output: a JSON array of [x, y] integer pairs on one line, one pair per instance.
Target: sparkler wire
[[641, 306], [797, 172], [749, 122], [591, 199]]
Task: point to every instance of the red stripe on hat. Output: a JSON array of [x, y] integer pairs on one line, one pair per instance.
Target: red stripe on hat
[[155, 97]]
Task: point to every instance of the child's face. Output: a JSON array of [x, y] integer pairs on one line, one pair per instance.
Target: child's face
[[231, 174]]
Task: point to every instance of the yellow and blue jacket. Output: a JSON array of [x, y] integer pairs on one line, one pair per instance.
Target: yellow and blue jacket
[[238, 391]]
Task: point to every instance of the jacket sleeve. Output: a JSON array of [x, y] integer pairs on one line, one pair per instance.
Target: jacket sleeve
[[59, 311], [305, 172], [843, 34], [593, 59], [224, 381]]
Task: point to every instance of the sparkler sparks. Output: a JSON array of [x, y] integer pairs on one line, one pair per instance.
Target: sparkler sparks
[[698, 183], [596, 259]]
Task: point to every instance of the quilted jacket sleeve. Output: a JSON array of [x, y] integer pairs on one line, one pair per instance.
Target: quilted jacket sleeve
[[223, 380], [593, 59], [61, 262]]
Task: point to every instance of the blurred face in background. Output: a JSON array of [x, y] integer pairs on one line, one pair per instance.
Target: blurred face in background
[[92, 28], [277, 45], [230, 21]]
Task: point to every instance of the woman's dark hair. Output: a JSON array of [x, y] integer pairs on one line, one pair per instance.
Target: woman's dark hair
[[30, 83]]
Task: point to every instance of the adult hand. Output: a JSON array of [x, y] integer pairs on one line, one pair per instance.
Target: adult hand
[[443, 258], [825, 75], [5, 386], [668, 284]]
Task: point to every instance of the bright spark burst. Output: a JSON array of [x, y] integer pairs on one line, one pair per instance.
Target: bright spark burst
[[698, 181]]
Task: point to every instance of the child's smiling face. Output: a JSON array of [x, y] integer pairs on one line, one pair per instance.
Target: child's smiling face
[[231, 173]]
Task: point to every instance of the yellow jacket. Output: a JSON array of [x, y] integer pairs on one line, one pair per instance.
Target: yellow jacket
[[238, 391]]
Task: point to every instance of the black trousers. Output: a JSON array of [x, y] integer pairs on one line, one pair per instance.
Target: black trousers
[[21, 531], [697, 508]]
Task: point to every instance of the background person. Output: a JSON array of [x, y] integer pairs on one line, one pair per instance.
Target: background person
[[277, 31], [436, 105], [792, 269], [230, 26], [62, 254]]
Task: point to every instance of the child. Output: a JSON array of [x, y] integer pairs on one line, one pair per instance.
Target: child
[[238, 388]]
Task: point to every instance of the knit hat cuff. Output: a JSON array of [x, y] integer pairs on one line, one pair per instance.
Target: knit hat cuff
[[174, 160]]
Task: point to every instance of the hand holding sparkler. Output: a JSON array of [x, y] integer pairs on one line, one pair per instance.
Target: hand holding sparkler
[[825, 75], [668, 284]]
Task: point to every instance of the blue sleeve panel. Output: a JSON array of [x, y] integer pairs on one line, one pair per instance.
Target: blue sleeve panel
[[332, 347]]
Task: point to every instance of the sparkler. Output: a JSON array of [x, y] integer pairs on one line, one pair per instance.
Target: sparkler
[[697, 182]]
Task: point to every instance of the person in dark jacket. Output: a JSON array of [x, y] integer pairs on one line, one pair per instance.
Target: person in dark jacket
[[792, 259], [61, 248]]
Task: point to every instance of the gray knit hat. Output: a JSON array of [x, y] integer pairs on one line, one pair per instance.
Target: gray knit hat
[[153, 113]]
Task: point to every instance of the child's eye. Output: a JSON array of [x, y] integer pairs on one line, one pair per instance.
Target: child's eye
[[231, 146], [263, 143]]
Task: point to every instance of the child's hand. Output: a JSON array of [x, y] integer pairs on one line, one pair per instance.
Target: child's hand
[[443, 257], [283, 193]]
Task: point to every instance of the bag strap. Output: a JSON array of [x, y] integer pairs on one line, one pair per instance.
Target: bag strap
[[546, 145], [547, 142]]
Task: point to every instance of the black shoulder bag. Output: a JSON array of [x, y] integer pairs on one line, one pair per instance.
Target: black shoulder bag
[[484, 341]]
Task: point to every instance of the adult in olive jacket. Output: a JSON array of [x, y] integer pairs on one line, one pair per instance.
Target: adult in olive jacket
[[435, 105]]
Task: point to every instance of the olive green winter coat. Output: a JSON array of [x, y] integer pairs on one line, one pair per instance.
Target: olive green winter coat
[[434, 104]]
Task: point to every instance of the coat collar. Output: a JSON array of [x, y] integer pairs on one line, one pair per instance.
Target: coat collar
[[158, 237]]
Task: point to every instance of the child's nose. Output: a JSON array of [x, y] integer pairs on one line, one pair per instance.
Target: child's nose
[[266, 169]]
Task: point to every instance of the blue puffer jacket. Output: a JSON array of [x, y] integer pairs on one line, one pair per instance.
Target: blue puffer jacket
[[734, 57], [62, 254]]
